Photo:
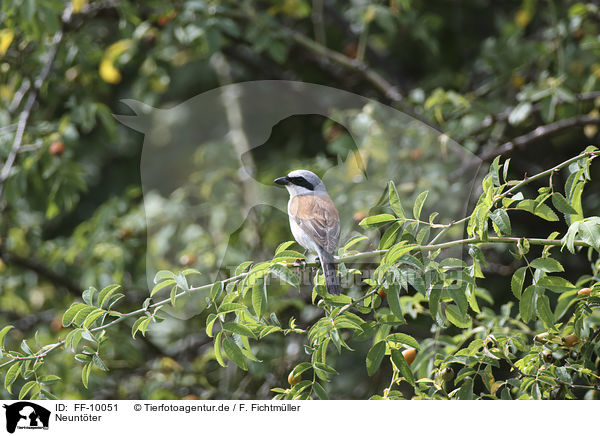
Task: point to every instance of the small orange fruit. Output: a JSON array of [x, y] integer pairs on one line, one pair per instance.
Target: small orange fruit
[[570, 340], [381, 293], [584, 291], [188, 259], [57, 148], [359, 216], [294, 380], [409, 355]]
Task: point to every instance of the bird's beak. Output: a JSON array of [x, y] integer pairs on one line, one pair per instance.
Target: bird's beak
[[282, 181]]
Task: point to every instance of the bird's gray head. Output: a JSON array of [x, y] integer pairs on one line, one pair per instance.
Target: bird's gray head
[[300, 182]]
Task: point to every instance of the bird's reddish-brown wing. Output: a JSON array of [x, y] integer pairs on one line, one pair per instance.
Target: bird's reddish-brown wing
[[318, 217]]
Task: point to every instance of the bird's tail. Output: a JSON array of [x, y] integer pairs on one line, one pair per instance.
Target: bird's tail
[[331, 280]]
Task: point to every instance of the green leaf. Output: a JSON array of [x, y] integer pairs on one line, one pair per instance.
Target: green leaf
[[259, 297], [285, 274], [501, 219], [87, 335], [375, 356], [402, 366], [318, 389], [561, 204], [182, 282], [233, 352], [240, 329], [375, 221], [85, 373], [390, 236], [105, 294], [215, 290], [396, 252], [283, 246], [26, 388], [163, 275], [393, 297], [93, 316], [394, 199], [48, 379], [456, 317], [434, 301], [301, 368], [544, 311], [505, 170], [189, 271], [352, 242], [516, 282], [83, 358], [218, 351], [82, 314], [88, 295], [325, 368], [466, 390], [11, 375], [173, 295], [555, 284], [3, 333], [137, 324], [589, 231], [230, 307], [418, 206], [70, 313], [540, 209], [495, 171], [547, 264], [161, 285], [404, 339], [96, 360], [545, 212], [527, 303]]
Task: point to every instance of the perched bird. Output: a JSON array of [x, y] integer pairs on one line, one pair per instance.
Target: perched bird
[[314, 220]]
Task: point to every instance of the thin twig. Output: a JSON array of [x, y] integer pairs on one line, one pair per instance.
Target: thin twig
[[550, 171], [490, 240]]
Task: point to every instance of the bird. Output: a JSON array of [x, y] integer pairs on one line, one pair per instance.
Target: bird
[[314, 220]]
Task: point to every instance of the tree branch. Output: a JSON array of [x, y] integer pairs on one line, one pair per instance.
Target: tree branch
[[42, 270], [33, 94], [378, 81], [431, 247], [489, 120], [526, 139], [537, 133]]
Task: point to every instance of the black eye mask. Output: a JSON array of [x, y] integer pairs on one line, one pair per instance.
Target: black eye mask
[[301, 181]]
